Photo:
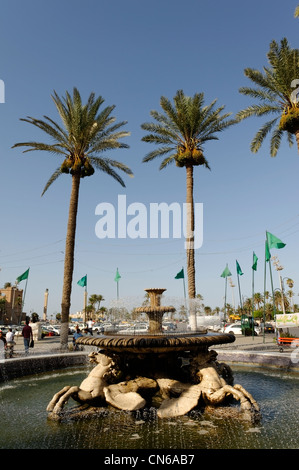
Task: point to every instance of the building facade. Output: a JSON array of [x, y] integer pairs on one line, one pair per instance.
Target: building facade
[[11, 310]]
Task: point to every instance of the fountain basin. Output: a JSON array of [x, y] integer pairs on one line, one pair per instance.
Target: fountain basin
[[155, 344]]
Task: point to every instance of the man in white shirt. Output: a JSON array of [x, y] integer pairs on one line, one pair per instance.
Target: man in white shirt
[[10, 341], [89, 324]]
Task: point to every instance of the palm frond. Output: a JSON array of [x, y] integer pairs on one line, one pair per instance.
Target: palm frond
[[256, 110], [102, 165], [54, 177], [275, 141], [167, 161], [159, 152], [55, 149], [261, 135]]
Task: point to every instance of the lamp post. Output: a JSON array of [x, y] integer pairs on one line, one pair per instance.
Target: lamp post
[[232, 286], [278, 268], [46, 304]]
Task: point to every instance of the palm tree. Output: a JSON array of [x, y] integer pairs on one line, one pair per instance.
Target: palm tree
[[296, 14], [258, 299], [86, 132], [277, 95], [180, 133], [93, 300], [291, 295]]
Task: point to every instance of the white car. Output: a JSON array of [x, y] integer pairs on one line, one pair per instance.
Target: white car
[[236, 329], [134, 330]]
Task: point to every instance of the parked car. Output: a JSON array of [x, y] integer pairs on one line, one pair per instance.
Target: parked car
[[47, 332], [169, 326], [98, 327], [269, 328], [134, 330], [236, 329]]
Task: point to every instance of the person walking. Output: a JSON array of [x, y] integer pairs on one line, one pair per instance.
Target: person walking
[[27, 335], [10, 341]]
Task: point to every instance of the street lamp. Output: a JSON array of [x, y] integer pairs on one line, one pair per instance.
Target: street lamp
[[278, 268]]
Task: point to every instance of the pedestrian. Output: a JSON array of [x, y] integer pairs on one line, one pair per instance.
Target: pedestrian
[[89, 324], [2, 337], [27, 335], [2, 345], [10, 341], [76, 335]]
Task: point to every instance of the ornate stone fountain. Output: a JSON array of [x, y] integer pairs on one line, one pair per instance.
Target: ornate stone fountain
[[176, 371]]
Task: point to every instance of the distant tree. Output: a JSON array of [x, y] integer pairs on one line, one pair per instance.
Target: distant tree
[[34, 317]]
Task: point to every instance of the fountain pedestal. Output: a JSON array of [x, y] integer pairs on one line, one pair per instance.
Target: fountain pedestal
[[155, 311]]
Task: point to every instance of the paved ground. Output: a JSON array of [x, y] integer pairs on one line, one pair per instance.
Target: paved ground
[[49, 345], [260, 351]]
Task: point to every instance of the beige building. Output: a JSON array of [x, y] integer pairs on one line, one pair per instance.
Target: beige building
[[11, 313]]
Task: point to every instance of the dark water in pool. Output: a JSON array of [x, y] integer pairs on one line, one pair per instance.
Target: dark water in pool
[[24, 423]]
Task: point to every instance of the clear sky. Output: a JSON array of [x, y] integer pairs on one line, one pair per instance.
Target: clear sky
[[133, 52]]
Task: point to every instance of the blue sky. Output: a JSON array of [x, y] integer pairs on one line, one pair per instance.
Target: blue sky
[[132, 53]]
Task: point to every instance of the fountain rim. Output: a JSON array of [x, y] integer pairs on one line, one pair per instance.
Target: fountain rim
[[156, 343]]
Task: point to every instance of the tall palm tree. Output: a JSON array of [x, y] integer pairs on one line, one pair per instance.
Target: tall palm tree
[[85, 133], [180, 132], [277, 94]]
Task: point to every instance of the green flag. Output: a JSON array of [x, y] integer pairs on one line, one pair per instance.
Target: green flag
[[23, 276], [239, 270], [226, 272], [255, 258], [274, 242], [267, 252], [83, 281], [117, 276], [180, 275]]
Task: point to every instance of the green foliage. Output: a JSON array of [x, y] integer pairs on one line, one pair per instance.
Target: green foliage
[[290, 120], [86, 132], [275, 93], [182, 129]]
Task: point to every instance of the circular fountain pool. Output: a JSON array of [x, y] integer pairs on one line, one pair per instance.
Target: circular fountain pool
[[24, 423]]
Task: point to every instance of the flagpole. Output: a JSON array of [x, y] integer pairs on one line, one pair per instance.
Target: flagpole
[[252, 296], [265, 275], [225, 299], [184, 286], [24, 296], [274, 308], [240, 293]]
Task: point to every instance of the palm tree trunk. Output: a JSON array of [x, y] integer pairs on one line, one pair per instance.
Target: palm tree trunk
[[190, 246], [69, 261]]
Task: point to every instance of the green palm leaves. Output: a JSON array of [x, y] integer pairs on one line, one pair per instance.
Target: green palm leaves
[[276, 95], [86, 132], [183, 128]]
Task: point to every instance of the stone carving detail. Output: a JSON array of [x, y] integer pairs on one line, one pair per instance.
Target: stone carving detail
[[116, 381]]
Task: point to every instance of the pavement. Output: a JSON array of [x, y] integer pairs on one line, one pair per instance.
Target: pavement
[[51, 344], [258, 351]]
